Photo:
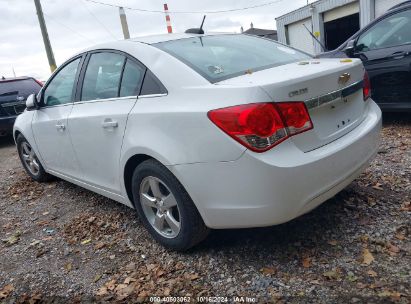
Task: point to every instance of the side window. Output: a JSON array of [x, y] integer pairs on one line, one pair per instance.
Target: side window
[[102, 78], [60, 90], [152, 85], [132, 78], [391, 31]]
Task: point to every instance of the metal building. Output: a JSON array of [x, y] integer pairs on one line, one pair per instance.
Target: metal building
[[331, 21]]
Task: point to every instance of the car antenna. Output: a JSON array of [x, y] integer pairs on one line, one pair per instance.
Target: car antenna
[[315, 38], [202, 23], [199, 31]]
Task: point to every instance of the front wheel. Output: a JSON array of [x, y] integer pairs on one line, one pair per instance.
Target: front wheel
[[30, 161], [165, 208]]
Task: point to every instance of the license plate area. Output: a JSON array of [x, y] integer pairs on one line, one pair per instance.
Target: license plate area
[[337, 117]]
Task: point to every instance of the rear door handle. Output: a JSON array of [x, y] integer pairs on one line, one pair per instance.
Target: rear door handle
[[109, 123], [61, 127]]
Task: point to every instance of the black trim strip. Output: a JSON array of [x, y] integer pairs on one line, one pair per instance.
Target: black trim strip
[[330, 97]]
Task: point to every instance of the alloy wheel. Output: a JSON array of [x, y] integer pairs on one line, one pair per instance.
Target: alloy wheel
[[160, 207], [30, 158]]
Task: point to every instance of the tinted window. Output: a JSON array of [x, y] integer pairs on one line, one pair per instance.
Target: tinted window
[[22, 87], [225, 56], [132, 78], [60, 89], [102, 78], [391, 31], [152, 85]]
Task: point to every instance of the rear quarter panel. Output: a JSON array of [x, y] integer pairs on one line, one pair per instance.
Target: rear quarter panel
[[175, 129]]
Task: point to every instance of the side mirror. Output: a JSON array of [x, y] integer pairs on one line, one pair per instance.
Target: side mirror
[[32, 102], [350, 48]]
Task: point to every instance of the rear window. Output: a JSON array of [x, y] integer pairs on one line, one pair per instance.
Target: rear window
[[23, 87], [226, 56]]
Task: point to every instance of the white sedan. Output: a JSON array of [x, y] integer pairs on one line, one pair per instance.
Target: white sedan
[[200, 132]]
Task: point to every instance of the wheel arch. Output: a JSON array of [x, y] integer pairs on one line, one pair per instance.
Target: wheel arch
[[29, 136], [16, 133], [128, 171], [135, 157]]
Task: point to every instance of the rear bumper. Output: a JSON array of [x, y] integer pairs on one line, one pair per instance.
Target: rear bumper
[[6, 124], [275, 187], [395, 107]]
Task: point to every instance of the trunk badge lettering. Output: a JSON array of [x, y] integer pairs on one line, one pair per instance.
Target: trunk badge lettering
[[298, 92], [344, 78]]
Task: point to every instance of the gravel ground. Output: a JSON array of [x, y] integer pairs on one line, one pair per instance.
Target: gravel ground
[[61, 243]]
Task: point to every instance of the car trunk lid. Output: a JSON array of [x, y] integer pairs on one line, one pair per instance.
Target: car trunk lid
[[331, 89]]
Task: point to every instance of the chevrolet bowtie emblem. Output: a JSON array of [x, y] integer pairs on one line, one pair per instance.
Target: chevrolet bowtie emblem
[[344, 78]]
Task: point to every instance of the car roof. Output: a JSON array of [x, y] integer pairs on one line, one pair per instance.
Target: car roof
[[148, 40], [169, 37]]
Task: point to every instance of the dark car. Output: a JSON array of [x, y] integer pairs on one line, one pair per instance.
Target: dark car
[[13, 95], [384, 46]]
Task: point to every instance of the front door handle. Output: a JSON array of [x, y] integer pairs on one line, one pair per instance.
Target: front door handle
[[109, 123], [61, 127], [398, 55]]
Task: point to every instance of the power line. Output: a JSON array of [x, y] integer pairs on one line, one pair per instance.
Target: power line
[[68, 28], [187, 12], [98, 20]]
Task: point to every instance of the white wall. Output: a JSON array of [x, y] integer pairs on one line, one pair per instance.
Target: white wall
[[299, 37], [342, 11], [314, 12], [382, 6]]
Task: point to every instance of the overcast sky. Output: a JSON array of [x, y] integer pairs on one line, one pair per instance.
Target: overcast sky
[[72, 26]]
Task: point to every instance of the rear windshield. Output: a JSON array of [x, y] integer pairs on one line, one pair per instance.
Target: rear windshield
[[226, 56], [22, 87]]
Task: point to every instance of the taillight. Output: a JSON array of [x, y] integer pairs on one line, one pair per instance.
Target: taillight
[[366, 87], [296, 117], [261, 126]]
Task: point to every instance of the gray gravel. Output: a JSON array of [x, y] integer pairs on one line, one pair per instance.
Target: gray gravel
[[62, 243]]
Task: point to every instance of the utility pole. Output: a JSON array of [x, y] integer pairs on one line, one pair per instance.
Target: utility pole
[[46, 40], [124, 24]]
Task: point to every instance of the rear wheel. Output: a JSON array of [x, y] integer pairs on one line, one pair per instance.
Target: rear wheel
[[30, 161], [165, 208]]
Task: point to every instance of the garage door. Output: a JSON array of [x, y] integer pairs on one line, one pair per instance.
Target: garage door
[[342, 11], [382, 6], [298, 36]]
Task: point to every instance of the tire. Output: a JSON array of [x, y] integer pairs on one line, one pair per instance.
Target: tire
[[23, 148], [161, 217]]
